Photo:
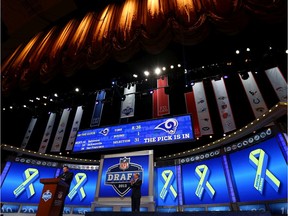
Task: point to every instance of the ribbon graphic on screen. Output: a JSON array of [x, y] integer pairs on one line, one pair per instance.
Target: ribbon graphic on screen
[[202, 173], [168, 178], [79, 180], [259, 160], [29, 176]]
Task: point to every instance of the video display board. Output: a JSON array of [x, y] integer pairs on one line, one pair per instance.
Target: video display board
[[166, 186], [22, 183], [260, 172], [82, 188], [204, 182], [117, 172], [159, 131]]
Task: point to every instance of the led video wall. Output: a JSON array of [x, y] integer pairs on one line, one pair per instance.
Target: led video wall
[[256, 173], [259, 172], [152, 132], [117, 171], [22, 184]]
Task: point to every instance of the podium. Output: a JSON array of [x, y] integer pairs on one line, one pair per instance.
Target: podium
[[52, 197]]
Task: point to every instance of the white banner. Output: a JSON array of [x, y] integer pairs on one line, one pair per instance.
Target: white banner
[[75, 128], [278, 82], [254, 95], [56, 147], [203, 114], [28, 132], [128, 105], [47, 133], [224, 107]]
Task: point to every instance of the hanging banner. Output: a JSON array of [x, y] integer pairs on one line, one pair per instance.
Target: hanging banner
[[254, 95], [224, 107], [163, 107], [75, 128], [154, 104], [191, 108], [97, 112], [278, 82], [60, 131], [28, 132], [128, 105], [202, 108], [47, 133]]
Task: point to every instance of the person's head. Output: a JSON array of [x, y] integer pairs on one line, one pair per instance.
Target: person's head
[[65, 168], [136, 175]]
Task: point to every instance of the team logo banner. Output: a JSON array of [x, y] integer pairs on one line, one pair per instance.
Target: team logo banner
[[60, 131], [254, 95], [28, 132], [161, 98], [117, 173], [75, 128], [204, 183], [47, 133], [224, 107], [264, 169], [278, 82], [167, 190], [200, 110], [97, 113], [191, 108], [128, 105]]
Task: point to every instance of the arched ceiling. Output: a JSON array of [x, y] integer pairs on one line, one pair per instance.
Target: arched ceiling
[[46, 38]]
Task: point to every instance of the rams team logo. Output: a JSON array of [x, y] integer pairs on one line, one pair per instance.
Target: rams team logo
[[119, 175]]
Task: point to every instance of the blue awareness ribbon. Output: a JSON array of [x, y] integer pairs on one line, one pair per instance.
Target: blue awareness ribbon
[[79, 180], [259, 160], [29, 176], [168, 178], [202, 172]]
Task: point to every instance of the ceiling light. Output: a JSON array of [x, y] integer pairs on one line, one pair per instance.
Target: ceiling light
[[237, 51], [76, 89], [146, 73], [157, 71], [172, 66], [135, 75], [163, 68], [55, 95]]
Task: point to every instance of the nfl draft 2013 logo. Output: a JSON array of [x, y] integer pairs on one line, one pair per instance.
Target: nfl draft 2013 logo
[[119, 175]]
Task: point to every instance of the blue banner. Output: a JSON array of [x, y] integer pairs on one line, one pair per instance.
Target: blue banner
[[204, 183], [260, 172], [97, 113]]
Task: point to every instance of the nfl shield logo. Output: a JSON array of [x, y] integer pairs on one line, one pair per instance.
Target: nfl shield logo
[[124, 163]]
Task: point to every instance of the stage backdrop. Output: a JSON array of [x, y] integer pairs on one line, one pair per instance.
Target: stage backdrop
[[115, 173]]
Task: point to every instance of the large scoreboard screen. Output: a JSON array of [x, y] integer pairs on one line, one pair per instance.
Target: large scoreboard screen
[[159, 131]]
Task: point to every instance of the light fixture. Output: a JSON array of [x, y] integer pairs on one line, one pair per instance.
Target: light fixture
[[77, 90], [172, 66], [135, 75], [237, 52], [146, 73], [37, 98], [248, 49], [163, 68], [179, 65], [55, 95], [157, 71], [24, 106]]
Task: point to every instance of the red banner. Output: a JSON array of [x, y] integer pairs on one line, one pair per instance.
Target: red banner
[[191, 108], [163, 107]]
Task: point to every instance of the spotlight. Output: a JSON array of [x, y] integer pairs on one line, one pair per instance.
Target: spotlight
[[146, 73], [77, 90], [237, 52], [24, 106], [172, 66], [157, 71], [192, 83], [135, 75], [179, 65], [248, 49], [163, 68], [55, 95]]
